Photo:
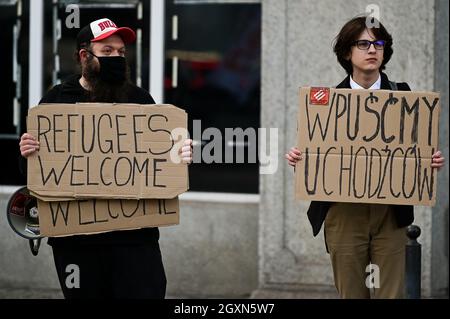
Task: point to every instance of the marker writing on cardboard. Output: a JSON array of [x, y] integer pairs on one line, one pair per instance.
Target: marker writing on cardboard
[[319, 126], [83, 170], [415, 169], [87, 212], [370, 145]]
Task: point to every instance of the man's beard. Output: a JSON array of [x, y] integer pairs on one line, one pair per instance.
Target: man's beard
[[101, 91]]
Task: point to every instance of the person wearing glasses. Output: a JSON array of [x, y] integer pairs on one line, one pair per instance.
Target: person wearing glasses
[[358, 234]]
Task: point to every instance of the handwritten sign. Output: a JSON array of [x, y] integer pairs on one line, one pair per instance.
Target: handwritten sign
[[367, 146], [107, 151], [102, 215]]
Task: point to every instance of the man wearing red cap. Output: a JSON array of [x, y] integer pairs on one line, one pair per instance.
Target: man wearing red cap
[[118, 264]]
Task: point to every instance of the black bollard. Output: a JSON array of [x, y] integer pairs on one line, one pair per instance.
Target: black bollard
[[413, 263]]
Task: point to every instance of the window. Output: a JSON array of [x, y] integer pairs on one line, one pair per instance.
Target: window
[[14, 79], [212, 70]]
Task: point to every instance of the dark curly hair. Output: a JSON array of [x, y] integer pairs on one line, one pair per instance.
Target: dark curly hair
[[350, 33]]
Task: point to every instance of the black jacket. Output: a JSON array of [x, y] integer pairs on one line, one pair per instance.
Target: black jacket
[[72, 92], [318, 210]]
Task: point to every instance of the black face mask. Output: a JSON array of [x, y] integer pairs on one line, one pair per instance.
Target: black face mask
[[112, 69]]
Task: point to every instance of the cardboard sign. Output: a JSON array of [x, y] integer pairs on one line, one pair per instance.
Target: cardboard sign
[[367, 146], [101, 215], [111, 151]]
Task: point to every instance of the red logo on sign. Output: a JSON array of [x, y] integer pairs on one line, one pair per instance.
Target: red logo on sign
[[319, 96]]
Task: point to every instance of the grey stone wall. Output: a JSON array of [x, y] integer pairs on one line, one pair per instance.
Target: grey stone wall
[[19, 268], [440, 227], [213, 252]]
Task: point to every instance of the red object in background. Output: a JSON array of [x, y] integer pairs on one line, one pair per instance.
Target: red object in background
[[198, 68], [319, 96], [18, 205]]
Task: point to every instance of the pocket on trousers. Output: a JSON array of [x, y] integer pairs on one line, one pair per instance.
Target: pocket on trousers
[[330, 218]]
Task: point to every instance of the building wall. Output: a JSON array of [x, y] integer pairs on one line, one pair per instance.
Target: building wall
[[440, 227], [19, 268], [213, 252]]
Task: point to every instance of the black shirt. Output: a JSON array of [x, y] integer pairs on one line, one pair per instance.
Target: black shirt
[[72, 92]]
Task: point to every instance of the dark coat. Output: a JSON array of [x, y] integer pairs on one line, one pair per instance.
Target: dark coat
[[404, 214]]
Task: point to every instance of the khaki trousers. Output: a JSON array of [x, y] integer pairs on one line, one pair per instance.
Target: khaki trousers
[[357, 235]]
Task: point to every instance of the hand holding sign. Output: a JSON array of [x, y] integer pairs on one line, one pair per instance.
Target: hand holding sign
[[293, 156], [368, 146], [186, 152], [126, 151], [28, 145], [104, 167], [437, 161]]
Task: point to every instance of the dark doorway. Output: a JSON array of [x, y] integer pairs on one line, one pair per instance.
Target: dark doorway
[[212, 70]]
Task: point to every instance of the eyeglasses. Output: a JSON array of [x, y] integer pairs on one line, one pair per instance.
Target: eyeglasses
[[365, 44]]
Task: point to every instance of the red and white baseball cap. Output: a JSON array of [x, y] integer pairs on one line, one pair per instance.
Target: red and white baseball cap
[[102, 29]]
